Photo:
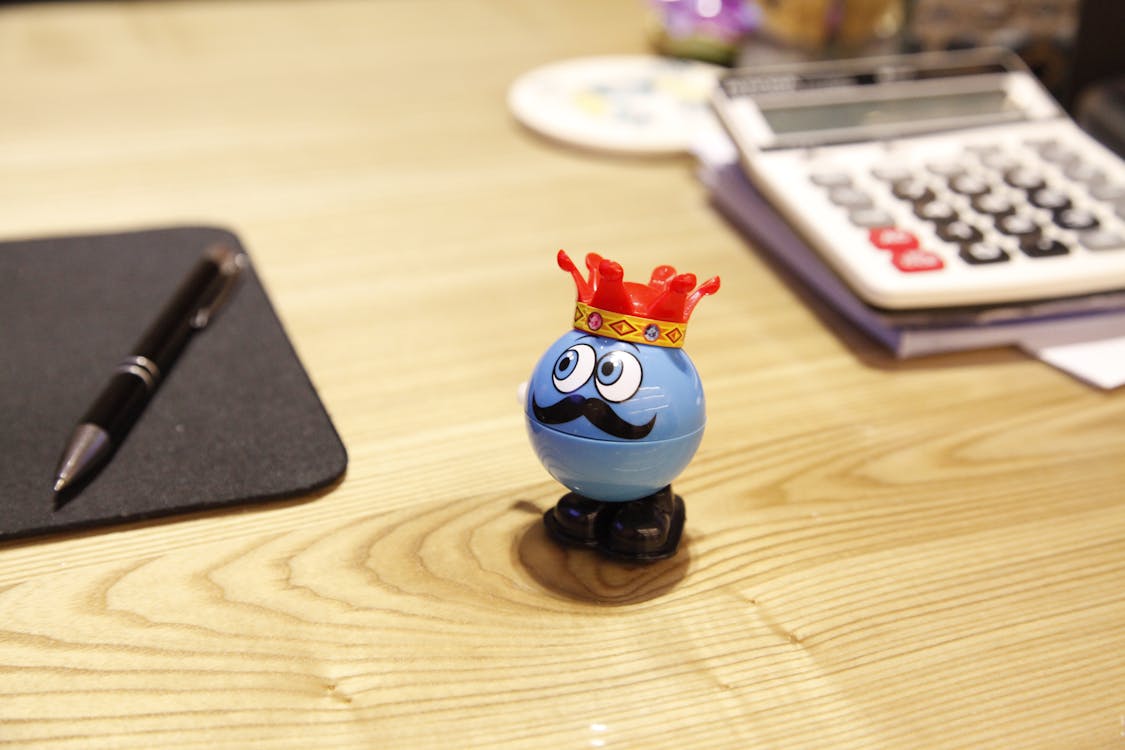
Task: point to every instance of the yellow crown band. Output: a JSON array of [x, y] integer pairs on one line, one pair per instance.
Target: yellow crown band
[[632, 328]]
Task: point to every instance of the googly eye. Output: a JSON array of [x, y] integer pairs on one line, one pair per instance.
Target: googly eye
[[573, 367], [618, 376]]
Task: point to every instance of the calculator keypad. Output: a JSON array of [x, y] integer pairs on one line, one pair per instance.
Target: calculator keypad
[[987, 205]]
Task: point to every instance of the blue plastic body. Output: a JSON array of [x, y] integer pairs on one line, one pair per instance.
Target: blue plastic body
[[611, 420]]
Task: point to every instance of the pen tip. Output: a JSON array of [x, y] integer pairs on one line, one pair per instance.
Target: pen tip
[[89, 446]]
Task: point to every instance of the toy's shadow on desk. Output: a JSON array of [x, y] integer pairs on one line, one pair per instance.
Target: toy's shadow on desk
[[586, 576]]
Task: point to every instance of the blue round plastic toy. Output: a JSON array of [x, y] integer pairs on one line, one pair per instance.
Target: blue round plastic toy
[[615, 411]]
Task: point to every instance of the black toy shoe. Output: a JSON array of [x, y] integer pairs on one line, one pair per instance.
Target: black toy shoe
[[647, 529], [577, 520]]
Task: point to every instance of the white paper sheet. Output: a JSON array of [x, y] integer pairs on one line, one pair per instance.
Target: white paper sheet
[[1096, 357]]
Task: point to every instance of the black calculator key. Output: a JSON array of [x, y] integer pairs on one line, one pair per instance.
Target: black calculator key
[[912, 190], [967, 184], [1024, 178], [935, 211], [1042, 247], [1049, 198], [959, 232], [1076, 219], [981, 253], [993, 204], [1017, 225]]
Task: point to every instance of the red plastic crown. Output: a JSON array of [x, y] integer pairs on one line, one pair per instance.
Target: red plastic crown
[[655, 313]]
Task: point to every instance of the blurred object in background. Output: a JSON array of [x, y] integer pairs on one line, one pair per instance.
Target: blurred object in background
[[1075, 47], [1042, 32], [803, 30], [1096, 92], [709, 30], [1100, 110], [832, 28]]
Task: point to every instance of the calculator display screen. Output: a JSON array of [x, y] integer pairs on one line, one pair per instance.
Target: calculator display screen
[[814, 117]]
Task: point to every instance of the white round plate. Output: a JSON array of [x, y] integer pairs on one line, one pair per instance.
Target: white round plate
[[636, 104]]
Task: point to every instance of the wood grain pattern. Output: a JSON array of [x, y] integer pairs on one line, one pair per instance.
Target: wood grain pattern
[[878, 554]]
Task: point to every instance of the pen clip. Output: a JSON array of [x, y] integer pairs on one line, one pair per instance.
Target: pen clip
[[231, 264]]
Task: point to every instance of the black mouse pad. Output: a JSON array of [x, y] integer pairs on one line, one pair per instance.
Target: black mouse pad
[[235, 421]]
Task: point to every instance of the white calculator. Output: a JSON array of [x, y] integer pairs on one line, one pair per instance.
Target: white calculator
[[937, 180]]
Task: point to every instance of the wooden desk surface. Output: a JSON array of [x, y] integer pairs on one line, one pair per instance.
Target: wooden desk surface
[[878, 554]]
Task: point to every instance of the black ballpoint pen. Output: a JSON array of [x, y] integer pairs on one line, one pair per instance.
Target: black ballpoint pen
[[137, 377]]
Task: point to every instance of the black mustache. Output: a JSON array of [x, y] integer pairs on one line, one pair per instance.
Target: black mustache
[[597, 412]]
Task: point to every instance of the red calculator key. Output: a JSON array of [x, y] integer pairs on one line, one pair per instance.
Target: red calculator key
[[916, 259], [892, 238]]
